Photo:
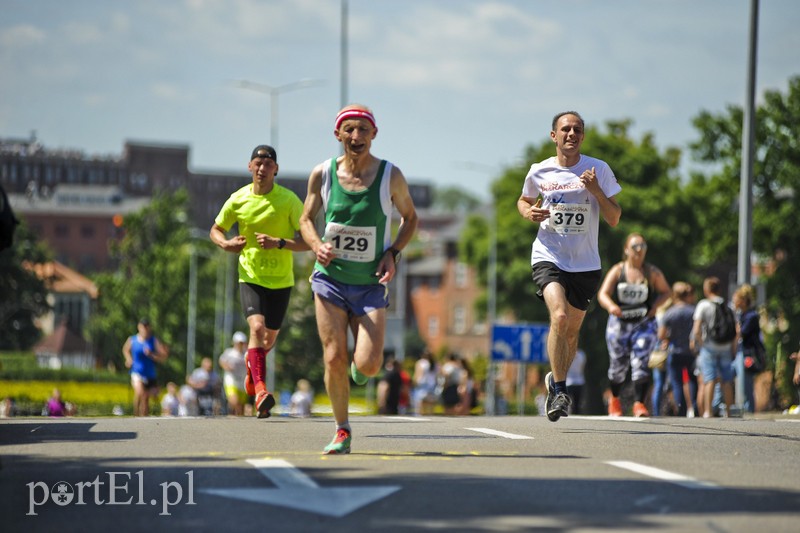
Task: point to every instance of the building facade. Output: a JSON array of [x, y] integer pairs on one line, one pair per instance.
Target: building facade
[[442, 291]]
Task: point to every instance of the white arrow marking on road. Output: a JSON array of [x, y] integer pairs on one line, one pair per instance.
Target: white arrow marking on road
[[298, 491]]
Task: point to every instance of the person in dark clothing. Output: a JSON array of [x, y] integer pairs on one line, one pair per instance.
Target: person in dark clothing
[[389, 388]]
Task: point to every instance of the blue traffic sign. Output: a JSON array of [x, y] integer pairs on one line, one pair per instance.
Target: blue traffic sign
[[522, 343]]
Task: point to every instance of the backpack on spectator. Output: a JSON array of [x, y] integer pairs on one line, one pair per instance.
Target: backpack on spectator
[[8, 222], [723, 328]]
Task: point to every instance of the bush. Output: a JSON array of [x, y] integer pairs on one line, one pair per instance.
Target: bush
[[16, 366], [89, 399]]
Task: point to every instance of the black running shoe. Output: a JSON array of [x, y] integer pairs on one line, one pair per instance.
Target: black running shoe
[[557, 404]]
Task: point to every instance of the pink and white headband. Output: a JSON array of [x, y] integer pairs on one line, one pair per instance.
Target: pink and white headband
[[354, 113]]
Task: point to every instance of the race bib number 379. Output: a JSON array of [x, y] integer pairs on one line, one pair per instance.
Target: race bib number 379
[[352, 243], [568, 218]]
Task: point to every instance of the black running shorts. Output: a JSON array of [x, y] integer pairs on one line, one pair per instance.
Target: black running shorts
[[580, 287], [272, 303]]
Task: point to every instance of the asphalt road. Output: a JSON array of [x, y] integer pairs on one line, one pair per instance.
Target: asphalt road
[[404, 474]]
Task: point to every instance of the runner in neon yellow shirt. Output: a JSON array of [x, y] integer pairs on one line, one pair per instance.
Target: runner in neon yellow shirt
[[268, 217]]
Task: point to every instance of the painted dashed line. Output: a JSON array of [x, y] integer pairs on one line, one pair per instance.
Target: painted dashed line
[[500, 434], [672, 477]]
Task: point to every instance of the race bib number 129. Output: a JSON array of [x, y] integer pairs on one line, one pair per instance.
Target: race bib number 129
[[352, 243]]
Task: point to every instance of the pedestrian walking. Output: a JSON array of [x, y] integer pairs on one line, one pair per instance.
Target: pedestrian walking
[[714, 336], [234, 372], [675, 328]]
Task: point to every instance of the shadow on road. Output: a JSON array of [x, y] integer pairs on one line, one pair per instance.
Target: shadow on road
[[48, 431]]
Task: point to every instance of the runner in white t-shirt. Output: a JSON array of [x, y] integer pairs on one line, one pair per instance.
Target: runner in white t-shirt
[[567, 195]]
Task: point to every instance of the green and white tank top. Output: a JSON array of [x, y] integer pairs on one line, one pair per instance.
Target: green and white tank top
[[358, 224]]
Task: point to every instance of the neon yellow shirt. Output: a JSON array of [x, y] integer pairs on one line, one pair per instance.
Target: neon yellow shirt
[[277, 214]]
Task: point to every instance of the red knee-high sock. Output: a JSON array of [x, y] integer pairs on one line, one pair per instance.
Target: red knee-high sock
[[257, 357]]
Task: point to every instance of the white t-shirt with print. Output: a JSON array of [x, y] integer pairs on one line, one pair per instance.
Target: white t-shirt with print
[[569, 237]]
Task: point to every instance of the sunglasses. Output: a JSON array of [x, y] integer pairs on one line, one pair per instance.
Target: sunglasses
[[638, 247]]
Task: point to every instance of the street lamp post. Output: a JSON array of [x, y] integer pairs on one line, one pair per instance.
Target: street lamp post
[[491, 393], [274, 92], [195, 234]]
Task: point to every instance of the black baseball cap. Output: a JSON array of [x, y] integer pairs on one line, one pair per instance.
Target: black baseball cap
[[263, 150]]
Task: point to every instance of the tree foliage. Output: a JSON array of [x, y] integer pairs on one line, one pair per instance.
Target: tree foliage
[[152, 281], [775, 188], [453, 200], [23, 296]]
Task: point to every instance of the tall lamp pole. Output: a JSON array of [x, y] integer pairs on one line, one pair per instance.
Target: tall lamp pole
[[343, 55], [274, 92], [748, 150], [744, 268]]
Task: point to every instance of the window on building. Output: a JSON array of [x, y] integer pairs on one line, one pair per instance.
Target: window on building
[[62, 231], [461, 275], [459, 320], [87, 231], [433, 327], [87, 263]]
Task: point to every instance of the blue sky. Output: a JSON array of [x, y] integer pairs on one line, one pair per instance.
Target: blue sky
[[459, 87]]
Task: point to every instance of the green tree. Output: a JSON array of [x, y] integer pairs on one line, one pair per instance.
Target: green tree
[[23, 296], [152, 281], [454, 199], [776, 186]]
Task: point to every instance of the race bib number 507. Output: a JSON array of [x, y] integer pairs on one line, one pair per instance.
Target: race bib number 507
[[352, 243]]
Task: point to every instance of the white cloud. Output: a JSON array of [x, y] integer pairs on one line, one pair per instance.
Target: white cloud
[[433, 47], [82, 33], [120, 23], [21, 36], [95, 100], [657, 110], [167, 91]]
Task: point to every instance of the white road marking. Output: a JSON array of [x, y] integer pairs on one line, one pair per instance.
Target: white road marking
[[500, 433], [296, 490], [672, 477]]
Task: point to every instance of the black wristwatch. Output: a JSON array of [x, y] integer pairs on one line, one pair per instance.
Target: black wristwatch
[[281, 244], [395, 254]]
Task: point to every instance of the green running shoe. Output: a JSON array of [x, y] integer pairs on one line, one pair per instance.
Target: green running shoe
[[340, 443], [357, 376]]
